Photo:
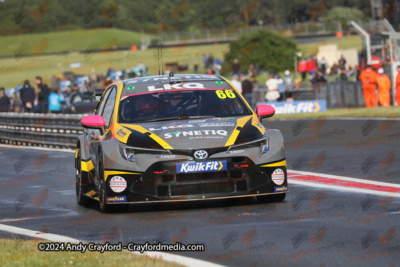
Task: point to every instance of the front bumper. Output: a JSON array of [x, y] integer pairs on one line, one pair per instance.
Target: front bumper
[[161, 182]]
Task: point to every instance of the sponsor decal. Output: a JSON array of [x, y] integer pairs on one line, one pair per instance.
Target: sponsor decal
[[197, 133], [118, 184], [235, 152], [116, 199], [278, 176], [176, 86], [221, 124], [171, 127], [121, 133], [90, 193], [264, 148], [201, 166], [166, 156], [297, 106], [131, 156], [280, 188], [130, 88]]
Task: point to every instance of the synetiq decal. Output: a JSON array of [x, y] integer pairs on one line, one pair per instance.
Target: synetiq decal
[[297, 106], [206, 166]]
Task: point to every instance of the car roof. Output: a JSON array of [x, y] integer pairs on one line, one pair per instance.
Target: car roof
[[159, 83]]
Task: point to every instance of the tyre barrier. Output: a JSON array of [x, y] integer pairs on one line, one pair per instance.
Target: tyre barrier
[[40, 130]]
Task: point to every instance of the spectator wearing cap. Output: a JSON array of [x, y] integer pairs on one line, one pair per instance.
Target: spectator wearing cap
[[44, 93], [384, 85], [4, 101], [247, 88], [27, 96]]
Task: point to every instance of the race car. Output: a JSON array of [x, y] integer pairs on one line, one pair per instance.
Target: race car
[[177, 138]]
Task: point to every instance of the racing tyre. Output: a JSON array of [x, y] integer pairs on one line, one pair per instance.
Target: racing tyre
[[271, 198], [80, 197], [104, 207]]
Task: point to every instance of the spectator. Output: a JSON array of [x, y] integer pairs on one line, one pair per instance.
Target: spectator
[[236, 83], [55, 102], [398, 86], [217, 66], [343, 75], [319, 85], [44, 93], [236, 67], [368, 79], [273, 90], [15, 103], [302, 66], [196, 66], [384, 85], [4, 101], [281, 87], [210, 61], [27, 96], [247, 89], [350, 74], [297, 81], [323, 65], [288, 84], [342, 63], [335, 71], [252, 72]]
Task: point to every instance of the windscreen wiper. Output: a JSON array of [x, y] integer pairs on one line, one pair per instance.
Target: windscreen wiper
[[177, 118]]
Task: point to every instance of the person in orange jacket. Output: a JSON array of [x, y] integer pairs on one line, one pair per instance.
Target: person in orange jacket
[[398, 86], [368, 79], [384, 85]]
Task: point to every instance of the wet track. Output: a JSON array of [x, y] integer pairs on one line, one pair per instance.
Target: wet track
[[313, 226]]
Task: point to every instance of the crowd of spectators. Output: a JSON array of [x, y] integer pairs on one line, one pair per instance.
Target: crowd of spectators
[[42, 97]]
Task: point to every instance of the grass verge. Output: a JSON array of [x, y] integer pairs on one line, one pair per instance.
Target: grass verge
[[17, 252]]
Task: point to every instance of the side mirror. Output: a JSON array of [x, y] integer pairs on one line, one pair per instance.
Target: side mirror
[[265, 111], [93, 122]]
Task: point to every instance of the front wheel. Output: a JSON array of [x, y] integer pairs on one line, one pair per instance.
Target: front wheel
[[104, 207], [81, 199]]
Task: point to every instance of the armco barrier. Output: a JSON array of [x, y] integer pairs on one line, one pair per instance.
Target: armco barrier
[[45, 130]]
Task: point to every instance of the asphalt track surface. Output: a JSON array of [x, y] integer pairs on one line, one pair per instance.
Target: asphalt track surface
[[312, 227]]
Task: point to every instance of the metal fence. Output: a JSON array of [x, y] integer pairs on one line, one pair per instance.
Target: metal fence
[[44, 130], [339, 94]]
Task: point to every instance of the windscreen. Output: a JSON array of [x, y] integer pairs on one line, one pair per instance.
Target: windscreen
[[183, 104]]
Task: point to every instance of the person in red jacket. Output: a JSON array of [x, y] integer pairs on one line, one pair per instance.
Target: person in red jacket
[[368, 79], [398, 86], [384, 85]]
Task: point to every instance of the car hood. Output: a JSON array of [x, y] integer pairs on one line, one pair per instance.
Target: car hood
[[191, 134]]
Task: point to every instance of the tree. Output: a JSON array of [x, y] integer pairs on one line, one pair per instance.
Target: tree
[[264, 49]]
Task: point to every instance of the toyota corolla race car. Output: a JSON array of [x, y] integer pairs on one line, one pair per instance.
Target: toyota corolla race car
[[175, 138]]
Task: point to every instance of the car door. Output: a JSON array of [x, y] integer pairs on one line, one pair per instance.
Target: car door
[[93, 135]]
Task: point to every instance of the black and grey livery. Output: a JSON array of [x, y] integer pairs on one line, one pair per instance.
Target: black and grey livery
[[187, 137]]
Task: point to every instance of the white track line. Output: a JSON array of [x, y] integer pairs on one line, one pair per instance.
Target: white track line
[[59, 238], [344, 178], [343, 188], [37, 234]]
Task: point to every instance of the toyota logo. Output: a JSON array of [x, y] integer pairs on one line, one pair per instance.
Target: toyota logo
[[200, 154]]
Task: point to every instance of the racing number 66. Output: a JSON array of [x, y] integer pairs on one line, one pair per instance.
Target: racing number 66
[[223, 94]]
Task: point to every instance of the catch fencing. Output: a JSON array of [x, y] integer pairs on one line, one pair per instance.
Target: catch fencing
[[339, 94]]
